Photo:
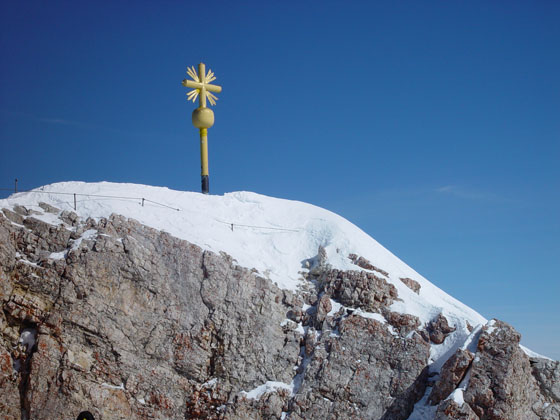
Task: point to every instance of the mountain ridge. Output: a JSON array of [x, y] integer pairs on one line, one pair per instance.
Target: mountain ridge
[[340, 296]]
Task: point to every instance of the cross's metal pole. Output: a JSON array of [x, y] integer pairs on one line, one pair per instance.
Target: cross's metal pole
[[204, 175]]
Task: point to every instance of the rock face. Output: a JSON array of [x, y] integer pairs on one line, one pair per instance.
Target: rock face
[[500, 382], [453, 372], [501, 385], [132, 322], [129, 322], [357, 367], [547, 373]]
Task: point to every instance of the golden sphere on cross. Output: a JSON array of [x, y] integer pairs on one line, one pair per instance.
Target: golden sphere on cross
[[203, 117]]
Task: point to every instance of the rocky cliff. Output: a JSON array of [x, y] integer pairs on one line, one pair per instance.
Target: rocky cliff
[[129, 322]]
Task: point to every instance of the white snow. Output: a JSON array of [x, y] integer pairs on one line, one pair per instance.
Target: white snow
[[532, 353], [210, 383], [377, 317], [57, 255], [490, 326], [335, 307], [88, 234], [106, 385], [370, 315], [460, 338], [32, 264], [270, 386], [471, 342], [422, 409], [457, 396], [27, 338]]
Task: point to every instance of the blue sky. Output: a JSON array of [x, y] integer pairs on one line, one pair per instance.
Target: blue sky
[[434, 126]]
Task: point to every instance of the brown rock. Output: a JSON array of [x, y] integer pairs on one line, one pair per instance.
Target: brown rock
[[501, 385], [403, 323], [365, 264], [48, 208], [412, 284], [452, 373], [365, 373], [10, 398], [324, 306], [438, 329], [13, 216], [359, 289], [450, 410]]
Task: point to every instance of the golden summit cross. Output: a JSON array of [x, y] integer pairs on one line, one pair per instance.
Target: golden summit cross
[[202, 117]]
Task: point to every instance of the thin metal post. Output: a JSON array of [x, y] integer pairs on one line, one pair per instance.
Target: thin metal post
[[142, 202], [204, 174], [74, 202], [15, 185]]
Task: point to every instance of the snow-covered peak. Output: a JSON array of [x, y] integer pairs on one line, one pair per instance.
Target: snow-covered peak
[[275, 236]]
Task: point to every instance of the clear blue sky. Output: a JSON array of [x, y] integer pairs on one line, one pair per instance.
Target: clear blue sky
[[434, 126]]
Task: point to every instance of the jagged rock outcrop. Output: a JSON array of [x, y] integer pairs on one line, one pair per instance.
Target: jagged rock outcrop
[[547, 373], [501, 383], [131, 323], [412, 284], [359, 289], [452, 373], [363, 371], [403, 323], [501, 386], [366, 264], [438, 329]]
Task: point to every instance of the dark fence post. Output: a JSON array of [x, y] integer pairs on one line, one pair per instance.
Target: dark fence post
[[74, 202]]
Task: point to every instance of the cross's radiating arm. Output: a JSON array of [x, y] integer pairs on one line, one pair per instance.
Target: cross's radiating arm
[[201, 85]]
